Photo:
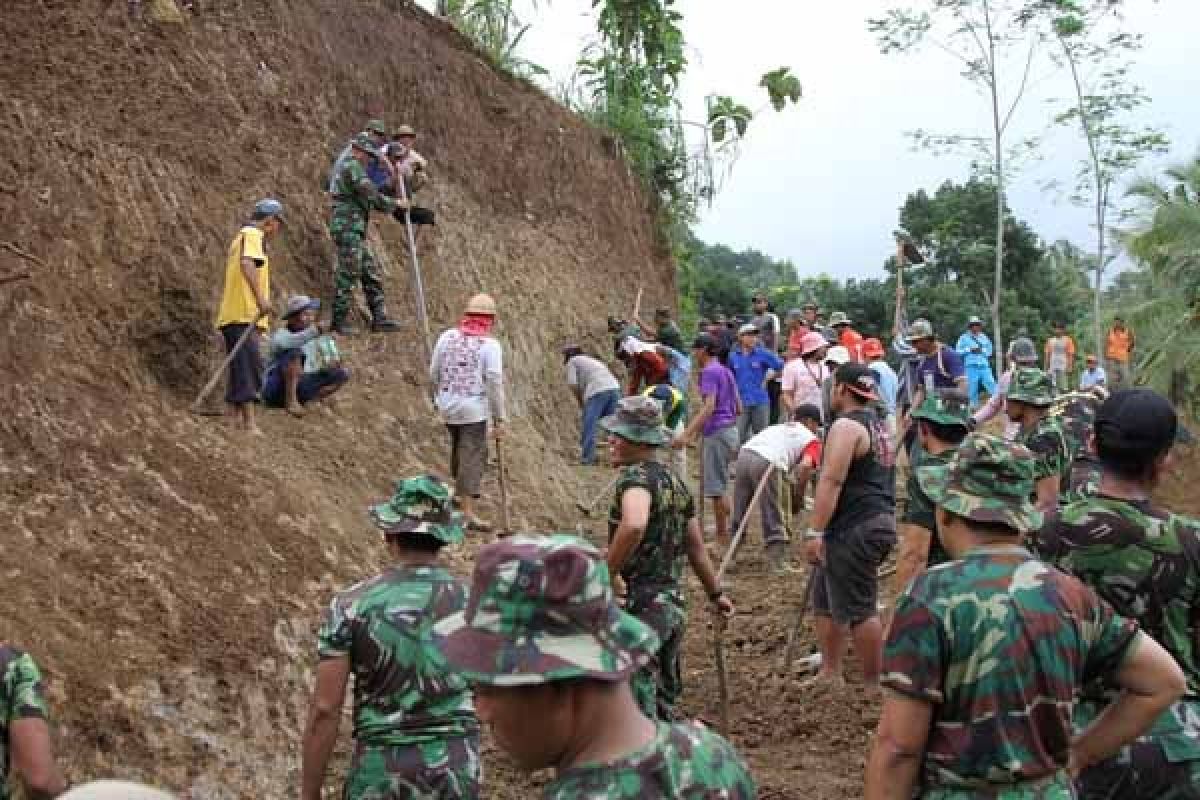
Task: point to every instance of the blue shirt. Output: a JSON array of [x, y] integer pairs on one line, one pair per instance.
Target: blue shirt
[[940, 368], [750, 370], [968, 342], [378, 173], [679, 367], [888, 382]]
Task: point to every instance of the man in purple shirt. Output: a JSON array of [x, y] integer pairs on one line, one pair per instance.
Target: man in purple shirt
[[717, 420]]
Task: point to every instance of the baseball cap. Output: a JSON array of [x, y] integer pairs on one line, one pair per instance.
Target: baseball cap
[[858, 378], [541, 609], [747, 329], [812, 342], [872, 348], [300, 302], [704, 341], [269, 207], [1136, 420]]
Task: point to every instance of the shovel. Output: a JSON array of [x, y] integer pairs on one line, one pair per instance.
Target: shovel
[[587, 509], [216, 377]]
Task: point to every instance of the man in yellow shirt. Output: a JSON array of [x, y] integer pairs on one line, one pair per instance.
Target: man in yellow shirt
[[245, 302]]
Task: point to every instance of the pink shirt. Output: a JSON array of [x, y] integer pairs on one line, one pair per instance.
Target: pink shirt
[[802, 380]]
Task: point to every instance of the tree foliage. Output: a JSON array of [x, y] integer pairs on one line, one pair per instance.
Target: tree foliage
[[493, 26]]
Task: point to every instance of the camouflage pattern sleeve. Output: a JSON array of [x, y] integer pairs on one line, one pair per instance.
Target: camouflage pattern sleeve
[[335, 636], [913, 662], [1049, 447], [22, 694], [1110, 639]]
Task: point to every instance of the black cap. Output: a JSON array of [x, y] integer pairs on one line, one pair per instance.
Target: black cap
[[1136, 421], [859, 379], [706, 342]]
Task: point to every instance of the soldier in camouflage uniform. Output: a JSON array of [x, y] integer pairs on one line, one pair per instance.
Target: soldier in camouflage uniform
[[415, 730], [354, 197], [942, 422], [652, 527], [25, 749], [1028, 402], [1145, 561], [1077, 411], [550, 655], [986, 653]]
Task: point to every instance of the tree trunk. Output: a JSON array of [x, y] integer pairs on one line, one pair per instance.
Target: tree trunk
[[998, 286]]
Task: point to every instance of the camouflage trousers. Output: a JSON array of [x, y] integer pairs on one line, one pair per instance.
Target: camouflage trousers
[[1053, 787], [1141, 771], [445, 769], [658, 685], [356, 264]]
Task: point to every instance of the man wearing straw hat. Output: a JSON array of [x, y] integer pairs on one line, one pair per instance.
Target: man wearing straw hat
[[550, 655], [415, 730], [652, 528]]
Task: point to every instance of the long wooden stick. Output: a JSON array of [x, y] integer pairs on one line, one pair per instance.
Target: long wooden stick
[[637, 306], [505, 521], [216, 376], [16, 276], [722, 675], [737, 537], [418, 284], [590, 507], [797, 622], [25, 254]]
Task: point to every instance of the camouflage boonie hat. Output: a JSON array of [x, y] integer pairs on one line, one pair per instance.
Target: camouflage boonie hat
[[421, 505], [919, 329], [541, 609], [945, 407], [988, 480], [1031, 385], [376, 126], [638, 419], [363, 142]]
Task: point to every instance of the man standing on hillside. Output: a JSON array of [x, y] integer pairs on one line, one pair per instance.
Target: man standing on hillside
[[1145, 562], [987, 654], [852, 526], [354, 196], [938, 367], [717, 420], [753, 367], [377, 168], [415, 730], [1030, 396], [847, 337], [652, 528], [976, 350], [411, 174], [246, 303], [596, 392], [467, 368], [1118, 351], [1060, 357], [1093, 374], [665, 331], [550, 656], [769, 336]]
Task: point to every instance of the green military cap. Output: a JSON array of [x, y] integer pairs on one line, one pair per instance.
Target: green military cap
[[363, 142], [638, 419], [1031, 385], [376, 126], [989, 479], [421, 505], [919, 329], [541, 609], [945, 407]]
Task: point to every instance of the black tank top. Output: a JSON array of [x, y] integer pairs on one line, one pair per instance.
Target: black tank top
[[870, 486]]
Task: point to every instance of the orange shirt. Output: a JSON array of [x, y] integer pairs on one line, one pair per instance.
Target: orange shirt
[[852, 340], [1119, 345]]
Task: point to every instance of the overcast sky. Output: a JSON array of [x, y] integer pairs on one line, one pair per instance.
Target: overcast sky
[[821, 183]]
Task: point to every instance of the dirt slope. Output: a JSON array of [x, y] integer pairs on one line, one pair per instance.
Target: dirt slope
[[167, 573]]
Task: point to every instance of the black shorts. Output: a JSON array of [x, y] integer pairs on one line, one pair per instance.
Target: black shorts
[[846, 586], [246, 370]]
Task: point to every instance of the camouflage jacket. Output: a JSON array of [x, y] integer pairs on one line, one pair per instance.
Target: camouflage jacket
[[1048, 442], [919, 508], [997, 641], [21, 697], [656, 565], [1076, 412], [354, 197], [404, 692], [1145, 562], [685, 760]]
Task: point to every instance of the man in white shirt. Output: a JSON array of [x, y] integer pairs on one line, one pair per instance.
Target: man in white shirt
[[467, 368], [791, 447], [1093, 375], [596, 390]]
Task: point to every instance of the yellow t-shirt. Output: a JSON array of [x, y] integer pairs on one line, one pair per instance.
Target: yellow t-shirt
[[237, 302]]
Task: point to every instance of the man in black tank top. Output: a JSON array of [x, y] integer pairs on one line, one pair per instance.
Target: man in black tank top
[[853, 526]]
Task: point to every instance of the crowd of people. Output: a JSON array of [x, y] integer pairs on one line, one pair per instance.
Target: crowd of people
[[1043, 639]]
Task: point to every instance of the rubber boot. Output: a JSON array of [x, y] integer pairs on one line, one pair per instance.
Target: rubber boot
[[777, 559], [342, 326]]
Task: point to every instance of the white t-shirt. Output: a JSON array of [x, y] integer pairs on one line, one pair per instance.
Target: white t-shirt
[[782, 445], [804, 379], [591, 375], [459, 368]]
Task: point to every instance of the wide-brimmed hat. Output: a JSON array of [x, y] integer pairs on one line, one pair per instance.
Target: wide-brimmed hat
[[838, 355], [838, 318], [376, 126], [482, 304], [421, 505], [811, 342], [872, 348], [974, 321], [1023, 351], [987, 480], [541, 609], [115, 790], [300, 302], [405, 130], [919, 329], [945, 407], [638, 419], [1031, 385]]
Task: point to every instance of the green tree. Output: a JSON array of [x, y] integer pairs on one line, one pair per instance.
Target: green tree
[[980, 35]]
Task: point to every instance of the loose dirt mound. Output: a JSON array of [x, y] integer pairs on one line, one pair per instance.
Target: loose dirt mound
[[166, 572]]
